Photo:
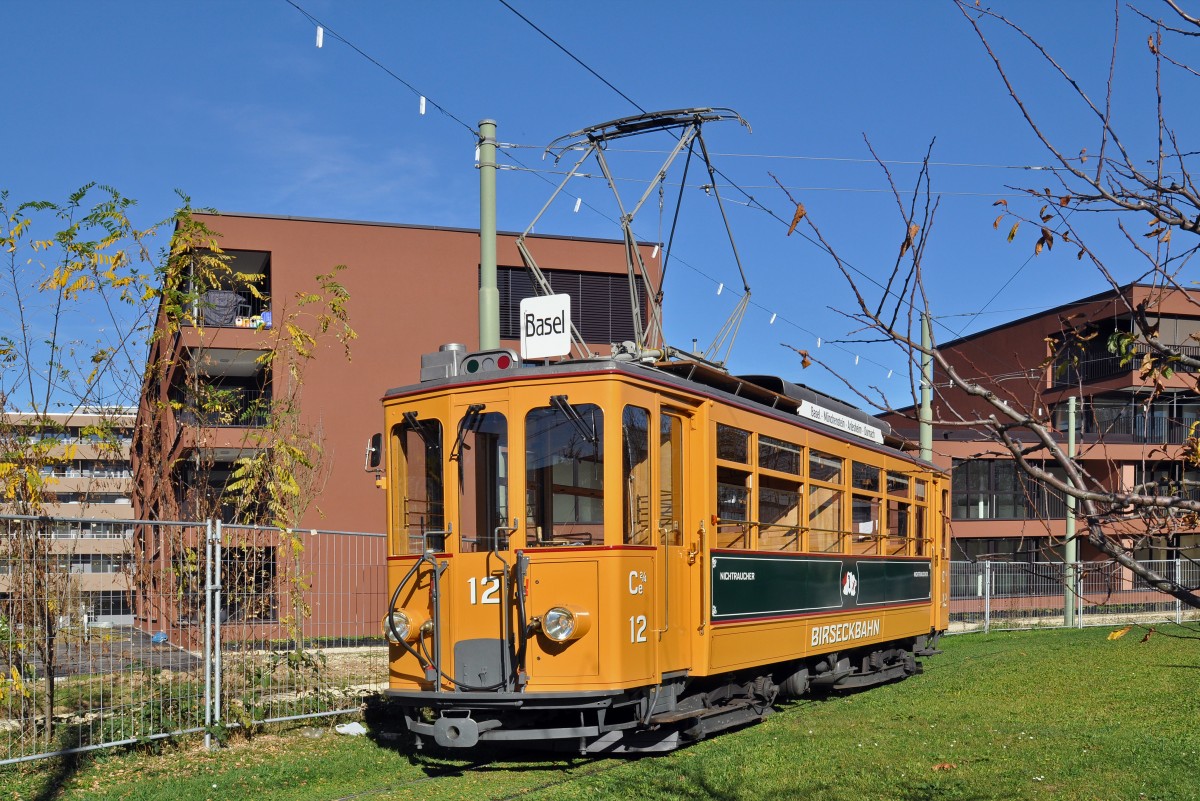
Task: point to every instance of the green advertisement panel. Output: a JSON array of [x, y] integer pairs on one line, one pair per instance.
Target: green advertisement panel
[[753, 585]]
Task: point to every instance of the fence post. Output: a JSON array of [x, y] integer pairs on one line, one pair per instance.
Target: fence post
[[219, 572], [987, 596], [1078, 589], [1178, 603], [208, 619]]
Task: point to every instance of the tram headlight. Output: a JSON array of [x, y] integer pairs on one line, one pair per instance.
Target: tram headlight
[[565, 623], [403, 626]]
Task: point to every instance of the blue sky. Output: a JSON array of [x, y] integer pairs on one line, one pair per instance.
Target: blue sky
[[233, 104]]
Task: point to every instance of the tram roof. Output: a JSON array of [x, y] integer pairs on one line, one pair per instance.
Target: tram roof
[[769, 394]]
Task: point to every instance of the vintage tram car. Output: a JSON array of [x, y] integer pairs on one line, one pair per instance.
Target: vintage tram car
[[614, 556]]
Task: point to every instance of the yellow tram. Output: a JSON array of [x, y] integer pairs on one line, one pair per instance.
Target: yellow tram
[[613, 555]]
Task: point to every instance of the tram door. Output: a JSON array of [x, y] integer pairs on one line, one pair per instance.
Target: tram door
[[675, 530]]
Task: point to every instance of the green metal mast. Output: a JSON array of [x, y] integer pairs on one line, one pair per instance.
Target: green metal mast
[[489, 295]]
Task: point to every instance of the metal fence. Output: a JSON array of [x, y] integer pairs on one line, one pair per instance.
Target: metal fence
[[1023, 595], [180, 628], [197, 627]]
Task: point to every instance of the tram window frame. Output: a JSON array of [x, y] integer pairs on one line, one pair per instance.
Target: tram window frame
[[733, 444], [584, 482], [771, 451], [637, 523], [866, 508], [483, 465], [779, 526], [734, 528], [404, 437], [780, 472], [826, 473], [899, 527], [671, 485], [922, 535]]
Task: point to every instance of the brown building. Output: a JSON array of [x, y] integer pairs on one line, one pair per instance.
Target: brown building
[[411, 290], [88, 518], [1126, 435]]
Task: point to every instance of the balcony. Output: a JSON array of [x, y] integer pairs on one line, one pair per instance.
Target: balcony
[[229, 407], [1166, 422], [227, 308], [1096, 363], [236, 297]]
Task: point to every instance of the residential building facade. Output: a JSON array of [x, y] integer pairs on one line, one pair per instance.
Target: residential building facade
[[411, 290], [1128, 433], [87, 516]]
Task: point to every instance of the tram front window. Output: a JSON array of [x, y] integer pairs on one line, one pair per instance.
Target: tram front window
[[420, 516], [564, 478]]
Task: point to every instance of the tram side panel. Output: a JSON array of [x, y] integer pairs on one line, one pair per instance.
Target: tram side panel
[[775, 607]]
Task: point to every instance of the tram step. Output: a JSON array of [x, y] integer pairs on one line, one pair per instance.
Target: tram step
[[664, 718]]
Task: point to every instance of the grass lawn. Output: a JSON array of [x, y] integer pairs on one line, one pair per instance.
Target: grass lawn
[[1023, 715]]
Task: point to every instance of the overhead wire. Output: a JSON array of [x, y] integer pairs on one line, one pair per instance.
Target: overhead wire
[[521, 166], [844, 159], [753, 202]]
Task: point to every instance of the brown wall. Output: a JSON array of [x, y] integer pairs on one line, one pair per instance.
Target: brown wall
[[411, 290]]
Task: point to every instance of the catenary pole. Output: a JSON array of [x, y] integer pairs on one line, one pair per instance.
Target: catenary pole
[[926, 412], [1071, 548], [489, 295]]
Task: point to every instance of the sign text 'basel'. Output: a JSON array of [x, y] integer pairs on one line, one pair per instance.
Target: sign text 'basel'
[[545, 326]]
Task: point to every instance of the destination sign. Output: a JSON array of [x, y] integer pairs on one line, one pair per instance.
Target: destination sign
[[545, 326], [819, 414]]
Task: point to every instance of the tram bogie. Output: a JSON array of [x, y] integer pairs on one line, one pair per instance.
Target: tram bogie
[[617, 557]]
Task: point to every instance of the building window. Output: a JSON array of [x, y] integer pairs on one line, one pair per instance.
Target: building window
[[600, 305], [997, 489]]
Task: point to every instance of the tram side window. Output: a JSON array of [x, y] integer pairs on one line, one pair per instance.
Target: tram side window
[[421, 514], [733, 508], [483, 481], [899, 514], [921, 533], [779, 495], [779, 515], [733, 488], [670, 479], [824, 502], [733, 444], [635, 459], [564, 478], [864, 508]]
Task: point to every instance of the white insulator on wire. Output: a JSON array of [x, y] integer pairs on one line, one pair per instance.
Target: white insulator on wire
[[578, 203], [320, 36], [720, 288], [772, 319]]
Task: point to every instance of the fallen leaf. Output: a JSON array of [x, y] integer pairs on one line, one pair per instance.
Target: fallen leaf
[[1116, 635], [1148, 633], [945, 766]]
